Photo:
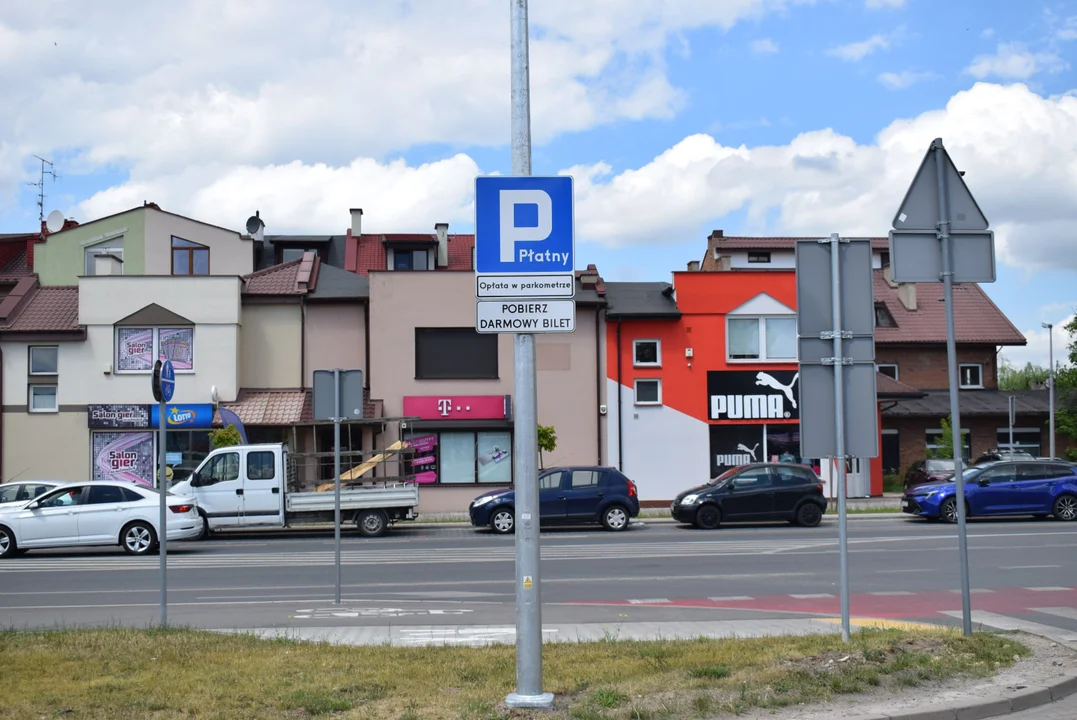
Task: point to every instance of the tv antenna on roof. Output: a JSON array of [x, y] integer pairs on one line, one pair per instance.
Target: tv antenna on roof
[[47, 168]]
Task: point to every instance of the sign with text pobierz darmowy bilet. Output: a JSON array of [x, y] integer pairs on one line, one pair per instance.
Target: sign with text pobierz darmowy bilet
[[524, 250]]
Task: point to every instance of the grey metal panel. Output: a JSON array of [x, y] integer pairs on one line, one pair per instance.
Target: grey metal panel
[[351, 394], [814, 311], [817, 432], [920, 208], [813, 350], [355, 499], [917, 256]]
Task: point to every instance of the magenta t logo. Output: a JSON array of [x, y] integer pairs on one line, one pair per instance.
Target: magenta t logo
[[444, 406]]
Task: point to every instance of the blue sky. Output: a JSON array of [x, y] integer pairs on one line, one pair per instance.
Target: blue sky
[[651, 106]]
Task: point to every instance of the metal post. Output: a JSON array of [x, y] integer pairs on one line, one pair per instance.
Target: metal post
[[336, 473], [839, 426], [1012, 413], [162, 486], [1051, 381], [525, 446], [951, 361]]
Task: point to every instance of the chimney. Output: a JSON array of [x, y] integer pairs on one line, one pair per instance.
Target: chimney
[[717, 234], [693, 266], [724, 263], [107, 264], [442, 230], [357, 221], [907, 295]]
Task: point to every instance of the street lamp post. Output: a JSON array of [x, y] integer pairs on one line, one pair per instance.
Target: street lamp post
[[1051, 381]]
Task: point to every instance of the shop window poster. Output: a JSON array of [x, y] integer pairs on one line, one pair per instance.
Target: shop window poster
[[135, 349], [177, 345], [125, 456], [424, 464], [495, 457]]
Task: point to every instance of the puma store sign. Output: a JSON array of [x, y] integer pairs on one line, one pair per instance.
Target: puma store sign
[[754, 395]]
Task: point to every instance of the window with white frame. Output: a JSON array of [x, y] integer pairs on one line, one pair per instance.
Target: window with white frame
[[112, 246], [42, 399], [1024, 439], [44, 359], [647, 353], [888, 369], [759, 339], [138, 348], [971, 375], [648, 391]]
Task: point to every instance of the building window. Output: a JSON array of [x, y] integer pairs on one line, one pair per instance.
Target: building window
[[411, 260], [189, 258], [138, 348], [43, 399], [888, 369], [464, 457], [762, 339], [932, 437], [759, 257], [647, 353], [649, 392], [883, 318], [289, 254], [971, 375], [44, 360], [884, 258], [114, 246], [1024, 440], [455, 354]]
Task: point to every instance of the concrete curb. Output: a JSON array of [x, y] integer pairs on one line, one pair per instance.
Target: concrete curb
[[1028, 698]]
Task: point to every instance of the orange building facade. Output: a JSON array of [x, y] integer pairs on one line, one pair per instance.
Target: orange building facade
[[703, 376]]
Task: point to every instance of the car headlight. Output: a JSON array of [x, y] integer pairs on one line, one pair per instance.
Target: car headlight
[[483, 500], [689, 499]]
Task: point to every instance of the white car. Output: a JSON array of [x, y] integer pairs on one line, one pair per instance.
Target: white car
[[21, 492], [96, 513]]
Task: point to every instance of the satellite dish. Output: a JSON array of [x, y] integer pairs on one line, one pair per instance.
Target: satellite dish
[[254, 224], [55, 221]]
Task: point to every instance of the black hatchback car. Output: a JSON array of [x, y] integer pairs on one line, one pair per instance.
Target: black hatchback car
[[754, 493]]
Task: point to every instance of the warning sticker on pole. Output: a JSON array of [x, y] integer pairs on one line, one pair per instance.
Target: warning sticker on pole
[[527, 582]]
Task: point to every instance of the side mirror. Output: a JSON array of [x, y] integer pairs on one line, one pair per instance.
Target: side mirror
[[34, 505], [983, 482]]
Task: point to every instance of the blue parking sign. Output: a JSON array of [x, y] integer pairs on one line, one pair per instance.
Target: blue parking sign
[[524, 225]]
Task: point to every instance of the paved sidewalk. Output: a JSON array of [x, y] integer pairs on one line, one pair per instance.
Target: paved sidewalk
[[1065, 709]]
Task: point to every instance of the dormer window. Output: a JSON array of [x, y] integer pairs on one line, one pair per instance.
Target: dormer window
[[405, 259], [189, 258], [761, 258], [883, 318]]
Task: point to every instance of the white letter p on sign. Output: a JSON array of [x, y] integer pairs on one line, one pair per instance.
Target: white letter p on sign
[[510, 234]]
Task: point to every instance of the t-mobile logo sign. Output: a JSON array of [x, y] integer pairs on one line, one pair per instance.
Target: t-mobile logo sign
[[444, 406]]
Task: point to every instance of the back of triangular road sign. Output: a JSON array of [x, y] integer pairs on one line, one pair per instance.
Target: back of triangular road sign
[[920, 208]]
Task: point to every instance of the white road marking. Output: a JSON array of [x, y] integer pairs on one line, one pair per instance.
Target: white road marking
[[1048, 589], [973, 591], [1028, 567], [811, 596]]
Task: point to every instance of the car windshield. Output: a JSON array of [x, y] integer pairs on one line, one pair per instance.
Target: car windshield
[[940, 465], [971, 473], [723, 477]]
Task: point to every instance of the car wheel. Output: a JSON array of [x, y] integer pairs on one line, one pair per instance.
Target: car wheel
[[708, 517], [615, 518], [809, 515], [372, 523], [206, 532], [1065, 508], [948, 511], [138, 538], [503, 521], [8, 548]]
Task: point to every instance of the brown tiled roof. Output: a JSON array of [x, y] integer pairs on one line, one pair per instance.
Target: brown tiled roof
[[372, 250], [295, 277], [282, 407], [48, 309], [719, 240], [15, 268], [976, 318], [887, 387]]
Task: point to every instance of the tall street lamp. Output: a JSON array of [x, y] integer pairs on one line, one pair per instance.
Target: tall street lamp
[[1051, 380]]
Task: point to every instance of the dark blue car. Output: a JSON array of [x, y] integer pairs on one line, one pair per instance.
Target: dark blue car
[[567, 495], [1001, 488]]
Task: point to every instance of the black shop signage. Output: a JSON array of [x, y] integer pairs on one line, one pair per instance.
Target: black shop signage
[[753, 395], [733, 445], [118, 416]]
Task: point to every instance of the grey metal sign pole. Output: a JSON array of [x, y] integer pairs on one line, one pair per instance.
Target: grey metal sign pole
[[162, 486], [839, 427], [1051, 380], [525, 448], [951, 361], [336, 473]]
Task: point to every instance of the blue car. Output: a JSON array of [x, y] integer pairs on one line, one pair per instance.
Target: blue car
[[567, 495], [1001, 488]]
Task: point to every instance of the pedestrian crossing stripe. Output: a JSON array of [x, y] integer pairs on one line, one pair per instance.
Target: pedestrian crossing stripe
[[884, 624]]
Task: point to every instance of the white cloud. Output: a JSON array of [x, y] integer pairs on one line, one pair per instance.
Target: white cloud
[[196, 83], [987, 33], [1014, 61], [1038, 350], [877, 4], [904, 79], [856, 51], [766, 45]]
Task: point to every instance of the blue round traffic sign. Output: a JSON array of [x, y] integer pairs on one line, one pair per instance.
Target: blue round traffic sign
[[168, 381]]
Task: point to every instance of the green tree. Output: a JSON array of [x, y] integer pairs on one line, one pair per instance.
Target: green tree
[[944, 446], [547, 440], [1066, 389], [225, 437], [1011, 377]]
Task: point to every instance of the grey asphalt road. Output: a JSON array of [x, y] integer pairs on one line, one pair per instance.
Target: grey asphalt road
[[899, 568]]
